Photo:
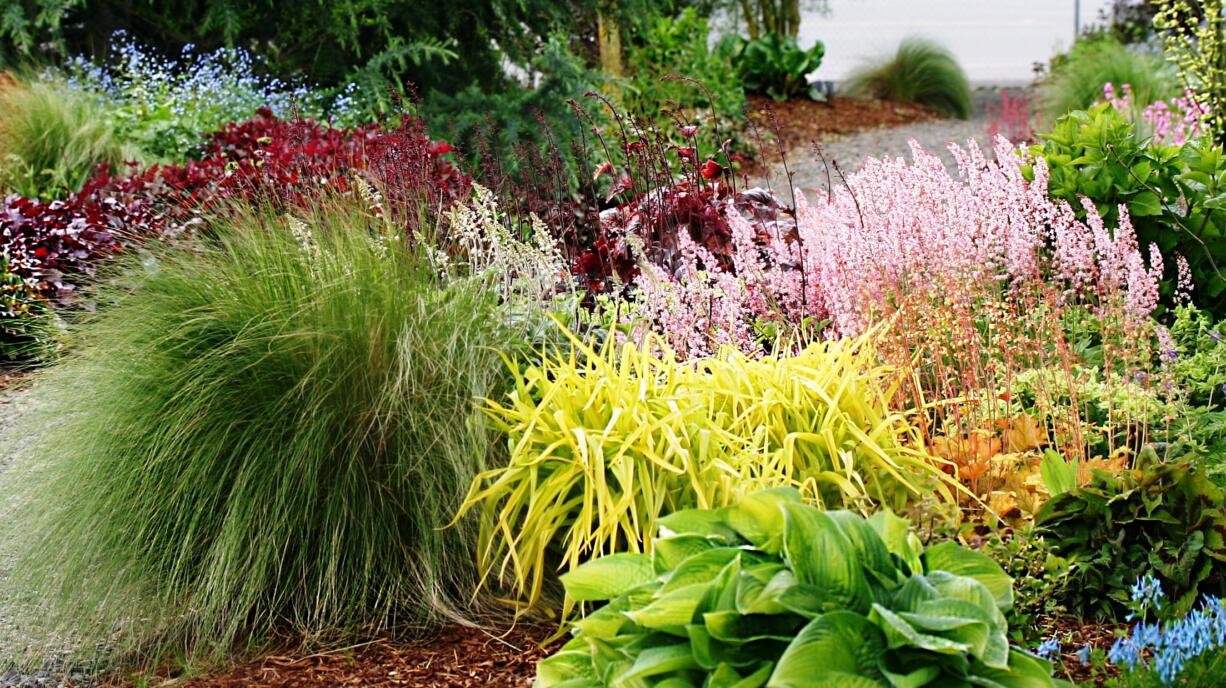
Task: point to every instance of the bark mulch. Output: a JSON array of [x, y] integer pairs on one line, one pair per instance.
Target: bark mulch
[[458, 657], [802, 121]]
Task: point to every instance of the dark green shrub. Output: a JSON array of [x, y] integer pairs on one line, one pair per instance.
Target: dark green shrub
[[1076, 80], [1174, 195], [774, 592], [920, 72], [264, 434], [773, 65], [1161, 519]]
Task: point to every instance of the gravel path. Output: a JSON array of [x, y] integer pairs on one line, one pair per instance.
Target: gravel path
[[14, 403], [809, 174]]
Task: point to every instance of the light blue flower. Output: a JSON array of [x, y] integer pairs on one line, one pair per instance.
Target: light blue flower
[[1048, 648]]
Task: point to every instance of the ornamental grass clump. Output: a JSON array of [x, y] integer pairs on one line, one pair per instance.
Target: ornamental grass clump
[[604, 441], [52, 138], [921, 71], [263, 433]]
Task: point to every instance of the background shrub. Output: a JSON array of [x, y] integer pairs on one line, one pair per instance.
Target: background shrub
[[773, 65], [921, 71], [52, 137], [260, 434], [1076, 81], [1172, 193]]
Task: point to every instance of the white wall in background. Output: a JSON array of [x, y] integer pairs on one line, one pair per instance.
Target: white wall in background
[[997, 41]]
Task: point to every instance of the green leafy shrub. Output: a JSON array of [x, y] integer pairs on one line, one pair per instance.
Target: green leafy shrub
[[1076, 80], [773, 65], [1176, 196], [262, 434], [921, 71], [1163, 519], [675, 47], [52, 137], [772, 592], [1194, 37]]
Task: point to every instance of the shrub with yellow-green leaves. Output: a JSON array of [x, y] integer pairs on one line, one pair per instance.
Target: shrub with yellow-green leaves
[[605, 441]]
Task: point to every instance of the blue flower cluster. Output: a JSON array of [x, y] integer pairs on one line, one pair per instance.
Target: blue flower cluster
[[163, 103], [1173, 644]]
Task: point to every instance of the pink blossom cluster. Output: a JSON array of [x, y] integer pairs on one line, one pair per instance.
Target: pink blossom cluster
[[1171, 122], [901, 232]]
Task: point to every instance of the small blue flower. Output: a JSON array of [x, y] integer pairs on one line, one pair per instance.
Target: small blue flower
[[1048, 648], [1083, 655]]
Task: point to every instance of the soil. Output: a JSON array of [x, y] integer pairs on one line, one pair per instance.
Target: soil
[[459, 657]]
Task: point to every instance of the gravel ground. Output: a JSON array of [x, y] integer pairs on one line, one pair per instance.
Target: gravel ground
[[808, 172], [13, 404]]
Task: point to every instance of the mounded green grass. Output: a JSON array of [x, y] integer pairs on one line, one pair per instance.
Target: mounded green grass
[[1077, 82], [52, 137], [256, 436], [922, 72]]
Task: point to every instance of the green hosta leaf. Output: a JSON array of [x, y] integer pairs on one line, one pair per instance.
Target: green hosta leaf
[[727, 677], [895, 532], [608, 577], [707, 523], [564, 667], [668, 553], [755, 596], [900, 633], [842, 643], [700, 568], [759, 517], [914, 678], [655, 661], [958, 560], [1024, 671], [823, 557], [671, 612], [872, 550], [738, 629]]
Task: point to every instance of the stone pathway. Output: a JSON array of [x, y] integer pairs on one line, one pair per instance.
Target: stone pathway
[[809, 174]]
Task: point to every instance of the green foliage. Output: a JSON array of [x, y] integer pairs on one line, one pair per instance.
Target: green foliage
[[1194, 35], [27, 26], [1041, 581], [52, 137], [606, 441], [772, 592], [1163, 519], [921, 71], [1176, 196], [266, 433], [519, 129], [1076, 80], [24, 319], [773, 65], [674, 47]]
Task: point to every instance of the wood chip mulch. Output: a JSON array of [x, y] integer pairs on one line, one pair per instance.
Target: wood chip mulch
[[1075, 634], [458, 657], [802, 121]]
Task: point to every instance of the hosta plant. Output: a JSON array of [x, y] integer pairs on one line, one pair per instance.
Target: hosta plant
[[774, 65], [1160, 518], [773, 592], [604, 441]]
